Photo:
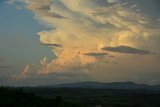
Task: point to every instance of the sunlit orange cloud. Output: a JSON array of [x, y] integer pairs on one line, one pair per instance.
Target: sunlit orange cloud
[[86, 26]]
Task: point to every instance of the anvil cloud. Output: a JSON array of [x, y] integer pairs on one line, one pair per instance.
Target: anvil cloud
[[81, 31]]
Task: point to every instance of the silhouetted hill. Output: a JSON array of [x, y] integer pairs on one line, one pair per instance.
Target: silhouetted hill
[[79, 97], [102, 85], [17, 97]]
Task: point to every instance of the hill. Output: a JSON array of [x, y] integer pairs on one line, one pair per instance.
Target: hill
[[102, 85]]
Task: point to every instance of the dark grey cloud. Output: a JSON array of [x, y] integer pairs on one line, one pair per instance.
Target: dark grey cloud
[[56, 15], [45, 7], [54, 45], [127, 50], [4, 67], [94, 54], [1, 60]]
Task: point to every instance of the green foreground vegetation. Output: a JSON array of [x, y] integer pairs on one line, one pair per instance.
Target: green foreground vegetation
[[76, 97]]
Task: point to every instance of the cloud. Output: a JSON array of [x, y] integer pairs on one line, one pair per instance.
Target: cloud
[[94, 54], [23, 74], [2, 60], [127, 50], [82, 28], [38, 73], [11, 2], [4, 67], [112, 1], [54, 45]]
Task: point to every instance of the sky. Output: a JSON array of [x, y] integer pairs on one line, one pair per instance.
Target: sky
[[45, 42]]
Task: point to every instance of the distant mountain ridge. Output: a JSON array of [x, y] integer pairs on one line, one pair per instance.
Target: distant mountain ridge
[[103, 85]]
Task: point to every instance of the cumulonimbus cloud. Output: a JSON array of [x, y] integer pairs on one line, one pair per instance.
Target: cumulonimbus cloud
[[82, 28], [89, 26]]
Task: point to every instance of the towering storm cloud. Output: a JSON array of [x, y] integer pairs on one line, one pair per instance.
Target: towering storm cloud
[[89, 36]]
